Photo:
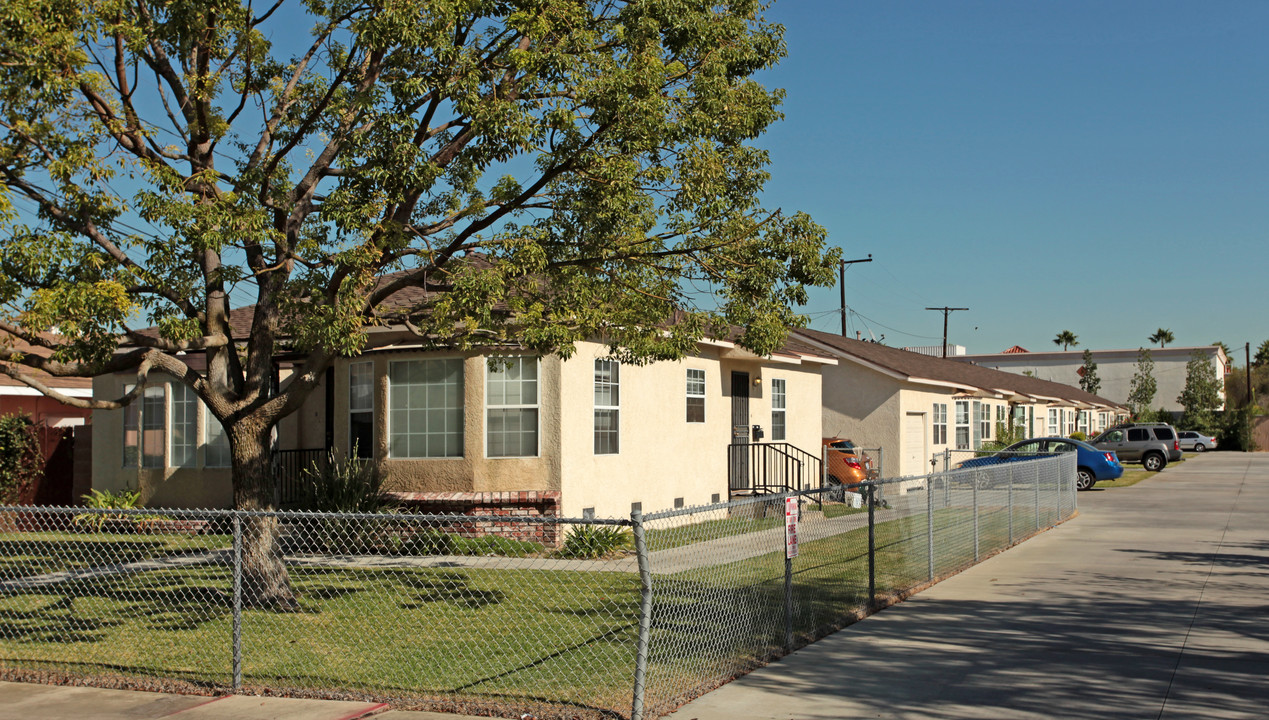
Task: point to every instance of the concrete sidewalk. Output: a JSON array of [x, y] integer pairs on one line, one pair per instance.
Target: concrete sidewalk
[[1150, 604], [26, 701]]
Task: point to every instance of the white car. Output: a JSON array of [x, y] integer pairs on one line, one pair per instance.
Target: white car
[[1196, 441]]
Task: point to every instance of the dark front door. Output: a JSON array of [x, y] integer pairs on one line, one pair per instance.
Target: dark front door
[[739, 431]]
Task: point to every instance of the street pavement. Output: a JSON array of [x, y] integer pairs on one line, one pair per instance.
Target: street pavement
[[1150, 604]]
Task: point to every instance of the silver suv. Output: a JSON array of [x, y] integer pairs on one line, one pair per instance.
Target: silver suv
[[1153, 445]]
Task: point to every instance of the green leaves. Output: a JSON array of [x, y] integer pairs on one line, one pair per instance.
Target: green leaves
[[544, 172]]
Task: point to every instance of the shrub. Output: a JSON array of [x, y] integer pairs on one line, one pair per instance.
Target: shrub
[[108, 500], [21, 462], [1234, 431], [344, 484], [589, 542], [1077, 435]]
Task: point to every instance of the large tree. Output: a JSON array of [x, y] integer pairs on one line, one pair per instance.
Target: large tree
[[543, 170], [1201, 394], [1143, 387]]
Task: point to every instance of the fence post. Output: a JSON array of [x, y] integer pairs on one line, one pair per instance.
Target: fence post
[[645, 615], [929, 523], [976, 478], [947, 459], [872, 547], [788, 583], [1010, 466], [237, 611]]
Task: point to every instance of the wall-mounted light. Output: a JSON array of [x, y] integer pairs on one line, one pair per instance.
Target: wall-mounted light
[[757, 382]]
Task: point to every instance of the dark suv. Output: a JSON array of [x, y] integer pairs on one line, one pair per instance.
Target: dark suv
[[1153, 445]]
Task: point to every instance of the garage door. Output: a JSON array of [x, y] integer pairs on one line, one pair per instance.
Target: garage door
[[914, 454]]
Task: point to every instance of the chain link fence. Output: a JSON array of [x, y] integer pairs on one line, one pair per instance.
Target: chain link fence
[[487, 615]]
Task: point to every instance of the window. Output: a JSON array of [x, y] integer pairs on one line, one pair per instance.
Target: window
[[153, 425], [131, 430], [1020, 417], [695, 396], [984, 426], [778, 400], [607, 407], [1082, 422], [184, 425], [216, 451], [1053, 421], [511, 407], [361, 408], [425, 406], [962, 424], [940, 423]]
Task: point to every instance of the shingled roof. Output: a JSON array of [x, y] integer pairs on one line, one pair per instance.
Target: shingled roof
[[917, 367]]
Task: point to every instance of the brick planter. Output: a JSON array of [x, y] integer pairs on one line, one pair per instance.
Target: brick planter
[[492, 506]]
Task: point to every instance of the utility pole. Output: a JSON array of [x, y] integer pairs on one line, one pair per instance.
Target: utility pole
[[1247, 351], [946, 311], [841, 284]]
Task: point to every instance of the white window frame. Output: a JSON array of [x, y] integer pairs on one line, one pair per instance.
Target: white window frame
[[939, 418], [779, 407], [184, 406], [462, 413], [691, 383], [535, 406], [1054, 420], [614, 384], [984, 424], [963, 422]]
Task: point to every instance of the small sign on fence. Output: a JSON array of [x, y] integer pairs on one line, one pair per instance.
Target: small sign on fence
[[791, 527]]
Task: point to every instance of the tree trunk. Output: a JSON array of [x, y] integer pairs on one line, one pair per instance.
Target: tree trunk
[[265, 581]]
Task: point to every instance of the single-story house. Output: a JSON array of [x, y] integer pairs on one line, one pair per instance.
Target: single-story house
[[915, 406], [498, 429], [1115, 369]]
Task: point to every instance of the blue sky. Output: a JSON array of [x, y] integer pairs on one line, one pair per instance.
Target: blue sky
[[1097, 167]]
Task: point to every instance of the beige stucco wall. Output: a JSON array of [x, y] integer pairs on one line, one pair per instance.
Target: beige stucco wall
[[472, 472], [662, 456], [192, 487]]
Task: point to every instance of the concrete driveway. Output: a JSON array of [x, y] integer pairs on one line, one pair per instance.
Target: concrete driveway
[[1153, 603]]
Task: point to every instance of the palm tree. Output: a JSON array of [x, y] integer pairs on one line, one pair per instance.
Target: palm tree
[[1066, 339], [1161, 336]]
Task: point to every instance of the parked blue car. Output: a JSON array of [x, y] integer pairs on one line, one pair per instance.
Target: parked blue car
[[1092, 464]]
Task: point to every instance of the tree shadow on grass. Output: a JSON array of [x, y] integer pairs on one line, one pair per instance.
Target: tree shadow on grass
[[24, 558]]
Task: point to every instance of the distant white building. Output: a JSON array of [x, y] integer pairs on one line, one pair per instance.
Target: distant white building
[[936, 350], [1115, 368]]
